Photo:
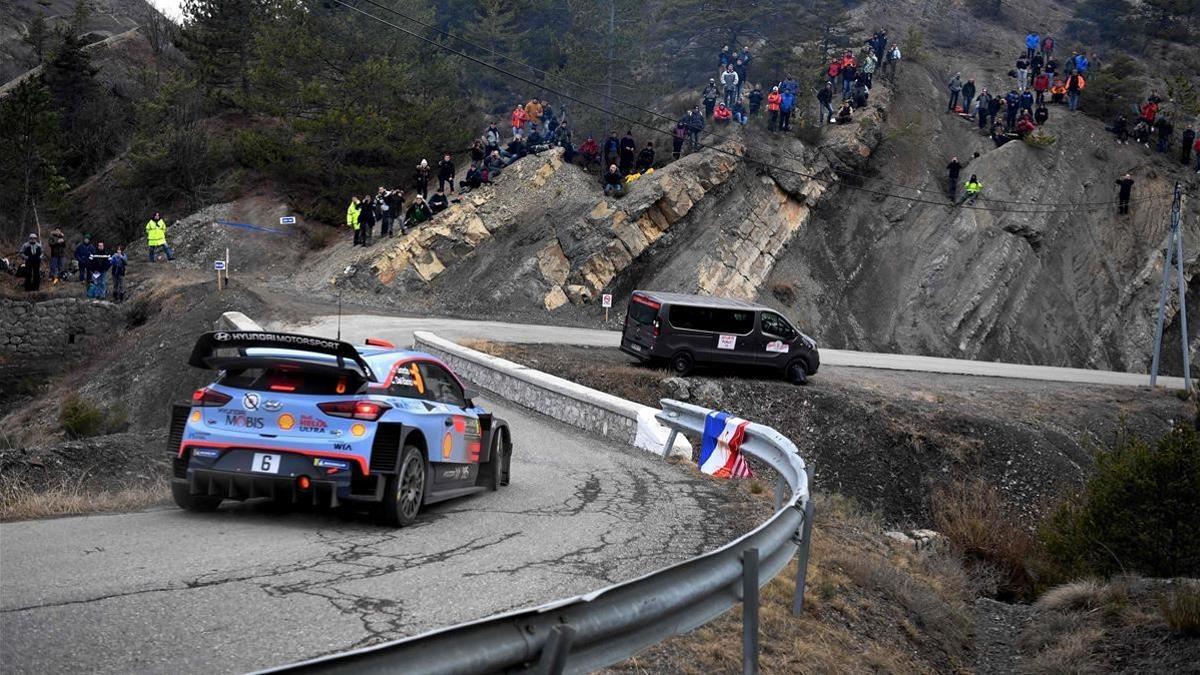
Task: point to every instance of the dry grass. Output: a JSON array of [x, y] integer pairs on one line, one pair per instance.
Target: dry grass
[[869, 607], [19, 501], [1181, 609], [971, 516], [1087, 594]]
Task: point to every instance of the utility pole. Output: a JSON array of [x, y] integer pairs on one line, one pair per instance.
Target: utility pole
[[1173, 249], [612, 38]]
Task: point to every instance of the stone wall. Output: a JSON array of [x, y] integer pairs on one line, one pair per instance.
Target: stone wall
[[53, 328]]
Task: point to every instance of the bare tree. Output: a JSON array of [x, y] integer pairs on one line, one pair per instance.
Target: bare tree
[[158, 29]]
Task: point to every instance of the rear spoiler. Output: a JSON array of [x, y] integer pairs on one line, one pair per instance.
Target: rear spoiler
[[208, 354]]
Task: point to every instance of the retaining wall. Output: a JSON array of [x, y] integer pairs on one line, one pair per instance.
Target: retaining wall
[[55, 328]]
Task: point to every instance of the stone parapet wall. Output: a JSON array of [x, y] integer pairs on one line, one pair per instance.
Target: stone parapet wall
[[54, 328]]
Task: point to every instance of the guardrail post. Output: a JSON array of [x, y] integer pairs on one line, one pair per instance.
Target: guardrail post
[[670, 443], [750, 611], [554, 654], [802, 559], [781, 486]]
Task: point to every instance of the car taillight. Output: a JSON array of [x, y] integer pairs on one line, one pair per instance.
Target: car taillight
[[207, 397], [355, 410]]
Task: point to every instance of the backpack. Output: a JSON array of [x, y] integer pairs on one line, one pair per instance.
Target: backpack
[[680, 131]]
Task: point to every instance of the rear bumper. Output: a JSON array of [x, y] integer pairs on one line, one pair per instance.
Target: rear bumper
[[230, 485], [639, 352]]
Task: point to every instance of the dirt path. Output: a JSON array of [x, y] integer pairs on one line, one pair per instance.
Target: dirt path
[[997, 626]]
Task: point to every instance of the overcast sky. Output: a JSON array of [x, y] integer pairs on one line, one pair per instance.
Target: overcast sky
[[168, 7]]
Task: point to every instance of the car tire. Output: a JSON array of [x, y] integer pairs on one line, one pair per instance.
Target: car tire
[[682, 363], [498, 475], [187, 501], [405, 492], [797, 373]]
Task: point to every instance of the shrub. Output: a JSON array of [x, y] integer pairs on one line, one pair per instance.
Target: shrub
[[1137, 513], [912, 48], [972, 518], [81, 419], [1039, 139], [1181, 609]]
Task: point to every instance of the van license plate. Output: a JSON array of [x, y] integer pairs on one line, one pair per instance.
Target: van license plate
[[636, 347]]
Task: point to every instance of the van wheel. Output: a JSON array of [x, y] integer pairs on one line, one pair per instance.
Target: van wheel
[[682, 363], [797, 373]]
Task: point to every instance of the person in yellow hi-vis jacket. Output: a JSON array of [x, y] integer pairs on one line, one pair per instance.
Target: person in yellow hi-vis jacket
[[352, 219], [973, 188], [156, 237]]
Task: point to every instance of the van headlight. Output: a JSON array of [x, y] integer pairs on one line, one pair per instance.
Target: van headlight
[[808, 342]]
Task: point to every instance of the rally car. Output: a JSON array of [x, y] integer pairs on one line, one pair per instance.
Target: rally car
[[299, 418]]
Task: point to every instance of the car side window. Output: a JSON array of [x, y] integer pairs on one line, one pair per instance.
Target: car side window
[[441, 385], [408, 382], [773, 324]]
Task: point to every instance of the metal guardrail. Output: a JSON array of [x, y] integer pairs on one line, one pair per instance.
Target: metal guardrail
[[590, 631]]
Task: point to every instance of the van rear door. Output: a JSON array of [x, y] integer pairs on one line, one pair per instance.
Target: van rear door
[[641, 326]]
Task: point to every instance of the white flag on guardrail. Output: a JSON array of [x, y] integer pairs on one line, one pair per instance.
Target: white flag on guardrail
[[720, 448]]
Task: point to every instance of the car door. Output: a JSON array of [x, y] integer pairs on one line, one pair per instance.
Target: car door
[[454, 452], [777, 338]]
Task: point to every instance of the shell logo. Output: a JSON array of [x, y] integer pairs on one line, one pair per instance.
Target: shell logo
[[358, 430], [447, 444], [286, 421]]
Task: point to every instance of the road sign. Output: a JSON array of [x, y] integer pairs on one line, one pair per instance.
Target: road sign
[[287, 220], [606, 300], [218, 265]]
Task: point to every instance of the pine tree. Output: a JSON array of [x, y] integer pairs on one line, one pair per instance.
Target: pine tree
[[29, 133], [219, 36], [35, 35]]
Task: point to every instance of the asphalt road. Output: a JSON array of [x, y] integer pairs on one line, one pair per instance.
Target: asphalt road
[[383, 326], [248, 587]]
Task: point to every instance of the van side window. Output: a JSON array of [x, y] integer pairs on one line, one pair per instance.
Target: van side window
[[712, 319], [776, 325]]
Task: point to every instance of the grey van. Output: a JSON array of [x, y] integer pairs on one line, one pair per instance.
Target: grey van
[[685, 330]]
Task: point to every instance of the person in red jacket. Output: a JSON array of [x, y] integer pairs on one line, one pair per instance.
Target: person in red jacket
[[518, 120], [773, 100], [1025, 125], [722, 115], [835, 67], [1040, 84], [1149, 111]]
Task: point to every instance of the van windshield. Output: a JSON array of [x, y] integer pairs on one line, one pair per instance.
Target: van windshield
[[716, 320], [642, 313]]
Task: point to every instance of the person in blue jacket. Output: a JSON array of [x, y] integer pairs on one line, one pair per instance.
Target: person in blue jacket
[[1032, 43], [787, 103], [83, 256]]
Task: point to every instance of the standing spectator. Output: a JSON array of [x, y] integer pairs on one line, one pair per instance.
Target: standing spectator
[[478, 152], [566, 141], [1126, 189], [858, 95], [446, 173], [1149, 110], [83, 253], [825, 99], [645, 159], [730, 80], [955, 87], [724, 58], [366, 220], [740, 69], [1165, 129], [613, 180], [98, 273], [1036, 64], [695, 126], [439, 202], [1012, 102], [677, 139], [1082, 64], [1027, 100], [533, 114], [994, 106], [352, 220], [1196, 149], [835, 69], [120, 262], [756, 99], [422, 176], [849, 73], [868, 67], [1048, 46], [31, 255], [1022, 74], [590, 151], [1040, 84], [58, 254], [612, 148], [1075, 84], [968, 95], [156, 237], [1051, 67], [746, 56], [628, 152], [384, 209], [773, 100], [517, 119], [787, 102], [491, 138], [952, 171], [983, 107], [1189, 138], [709, 97], [892, 63], [1032, 43], [1120, 129]]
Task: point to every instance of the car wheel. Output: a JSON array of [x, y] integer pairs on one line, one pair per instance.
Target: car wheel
[[797, 373], [682, 363], [498, 475], [190, 502], [406, 490]]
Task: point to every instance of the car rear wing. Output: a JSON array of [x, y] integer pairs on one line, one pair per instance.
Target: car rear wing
[[218, 350]]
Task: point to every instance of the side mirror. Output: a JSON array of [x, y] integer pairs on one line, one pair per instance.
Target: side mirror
[[469, 396]]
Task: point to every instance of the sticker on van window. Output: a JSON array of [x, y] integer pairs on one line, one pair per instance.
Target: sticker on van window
[[727, 342], [778, 346]]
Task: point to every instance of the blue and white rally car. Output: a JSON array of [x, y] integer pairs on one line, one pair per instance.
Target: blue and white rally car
[[299, 418]]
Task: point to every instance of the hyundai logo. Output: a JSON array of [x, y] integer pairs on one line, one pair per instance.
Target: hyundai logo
[[250, 401], [272, 405], [221, 337]]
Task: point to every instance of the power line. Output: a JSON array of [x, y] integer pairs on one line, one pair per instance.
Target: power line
[[1083, 207], [612, 99]]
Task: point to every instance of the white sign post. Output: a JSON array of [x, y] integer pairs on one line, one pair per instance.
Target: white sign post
[[287, 220], [606, 303], [219, 265]]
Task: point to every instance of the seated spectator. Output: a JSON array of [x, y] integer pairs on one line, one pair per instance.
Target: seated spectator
[[1025, 125], [474, 177], [515, 150], [418, 212], [590, 151], [494, 164], [1058, 91], [477, 151], [722, 114], [859, 94], [1041, 115], [844, 113], [613, 180], [1141, 132], [739, 112], [645, 158], [1120, 129], [438, 202]]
